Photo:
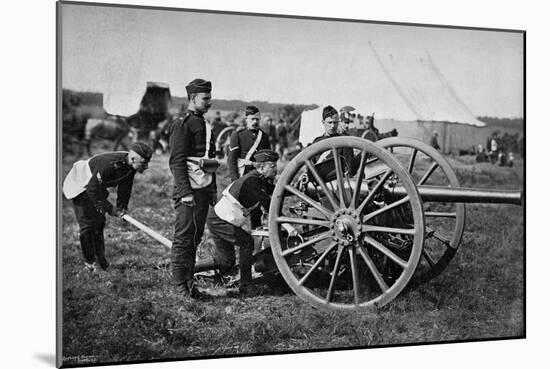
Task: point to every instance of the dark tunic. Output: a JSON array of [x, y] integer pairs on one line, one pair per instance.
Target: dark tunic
[[240, 144], [347, 153], [188, 138], [110, 170]]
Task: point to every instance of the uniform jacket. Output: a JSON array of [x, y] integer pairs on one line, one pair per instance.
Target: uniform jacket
[[244, 195], [96, 174], [188, 139], [240, 144], [347, 153]]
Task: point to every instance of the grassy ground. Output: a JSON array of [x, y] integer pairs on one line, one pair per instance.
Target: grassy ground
[[132, 313]]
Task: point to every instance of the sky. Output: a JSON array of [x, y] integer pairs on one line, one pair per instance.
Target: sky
[[285, 60]]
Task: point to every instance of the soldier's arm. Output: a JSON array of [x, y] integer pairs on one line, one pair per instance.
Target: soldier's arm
[[234, 154], [124, 191], [97, 192], [180, 141]]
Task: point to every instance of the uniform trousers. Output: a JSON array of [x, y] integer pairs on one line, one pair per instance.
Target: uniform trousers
[[226, 236], [188, 231], [91, 224]]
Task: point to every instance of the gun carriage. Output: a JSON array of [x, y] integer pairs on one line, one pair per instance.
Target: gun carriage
[[390, 218]]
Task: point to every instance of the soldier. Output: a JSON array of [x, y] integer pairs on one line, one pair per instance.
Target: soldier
[[434, 142], [373, 134], [226, 223], [243, 144], [191, 144], [282, 138], [271, 131], [87, 183], [332, 129]]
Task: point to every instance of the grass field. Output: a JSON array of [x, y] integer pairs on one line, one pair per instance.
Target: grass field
[[131, 312]]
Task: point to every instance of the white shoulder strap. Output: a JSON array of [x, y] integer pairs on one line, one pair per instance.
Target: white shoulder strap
[[255, 146]]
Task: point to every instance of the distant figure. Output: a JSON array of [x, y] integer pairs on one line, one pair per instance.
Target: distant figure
[[282, 139], [269, 128], [434, 141], [493, 148]]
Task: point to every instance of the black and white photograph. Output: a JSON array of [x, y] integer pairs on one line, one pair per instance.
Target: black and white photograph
[[237, 184]]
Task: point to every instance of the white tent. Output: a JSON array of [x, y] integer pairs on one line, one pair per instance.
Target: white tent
[[426, 95]]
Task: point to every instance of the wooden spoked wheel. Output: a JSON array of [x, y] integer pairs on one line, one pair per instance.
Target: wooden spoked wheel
[[444, 221], [347, 256], [222, 140]]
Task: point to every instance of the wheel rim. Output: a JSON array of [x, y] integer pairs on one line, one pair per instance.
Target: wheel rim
[[342, 232], [444, 222]]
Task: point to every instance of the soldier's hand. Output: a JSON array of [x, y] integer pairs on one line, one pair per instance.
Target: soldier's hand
[[121, 212], [188, 200], [213, 198]]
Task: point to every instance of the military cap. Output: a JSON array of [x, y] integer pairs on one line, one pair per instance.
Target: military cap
[[251, 110], [329, 111], [265, 155], [142, 150], [198, 85]]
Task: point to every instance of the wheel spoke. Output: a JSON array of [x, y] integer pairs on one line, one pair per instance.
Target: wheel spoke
[[375, 190], [339, 176], [428, 258], [317, 263], [361, 173], [354, 275], [375, 273], [315, 222], [309, 200], [334, 274], [411, 160], [372, 228], [386, 208], [321, 182], [440, 214], [383, 249], [307, 243], [428, 174]]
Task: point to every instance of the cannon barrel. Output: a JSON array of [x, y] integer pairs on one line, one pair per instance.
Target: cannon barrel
[[443, 193], [462, 194]]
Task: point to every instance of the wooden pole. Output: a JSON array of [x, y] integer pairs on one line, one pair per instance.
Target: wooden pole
[[166, 242]]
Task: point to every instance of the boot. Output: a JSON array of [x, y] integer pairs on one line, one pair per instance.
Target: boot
[[185, 286], [87, 245], [100, 250]]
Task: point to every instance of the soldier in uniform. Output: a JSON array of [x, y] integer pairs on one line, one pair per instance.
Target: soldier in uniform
[[434, 141], [332, 129], [271, 131], [228, 220], [373, 134], [243, 144], [191, 144], [86, 184]]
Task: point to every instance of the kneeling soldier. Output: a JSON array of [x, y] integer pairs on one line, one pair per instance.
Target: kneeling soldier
[[87, 183], [227, 221]]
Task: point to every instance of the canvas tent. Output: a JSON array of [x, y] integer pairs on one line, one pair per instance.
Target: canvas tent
[[429, 100]]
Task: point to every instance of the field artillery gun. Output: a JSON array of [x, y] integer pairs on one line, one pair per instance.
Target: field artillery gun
[[366, 234], [390, 219]]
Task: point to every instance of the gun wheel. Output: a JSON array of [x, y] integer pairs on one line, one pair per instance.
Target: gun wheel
[[444, 221], [339, 208]]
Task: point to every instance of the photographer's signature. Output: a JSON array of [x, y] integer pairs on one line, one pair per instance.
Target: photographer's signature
[[81, 358]]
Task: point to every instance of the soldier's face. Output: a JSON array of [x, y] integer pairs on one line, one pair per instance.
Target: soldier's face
[[202, 101], [253, 121], [331, 125], [140, 164], [269, 169]]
